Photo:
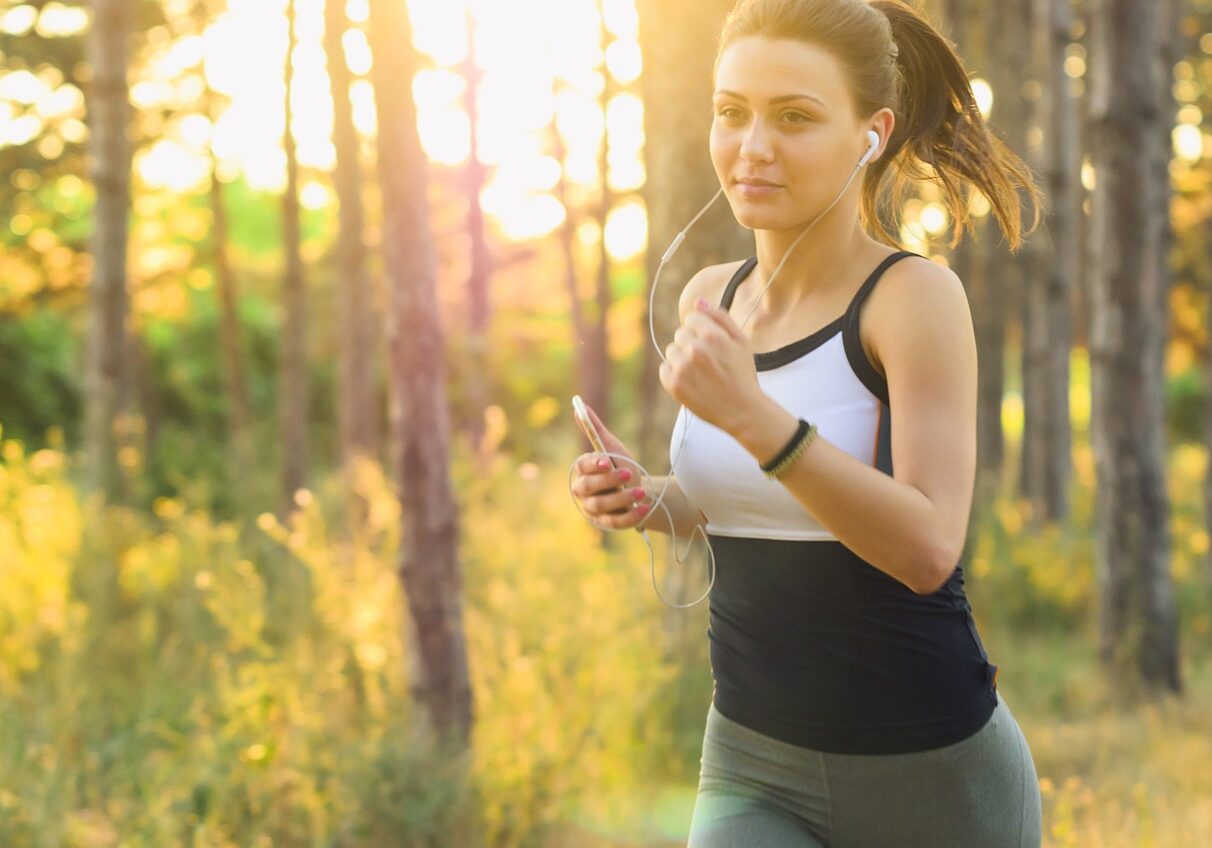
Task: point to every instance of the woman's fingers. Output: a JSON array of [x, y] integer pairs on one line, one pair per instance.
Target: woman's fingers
[[607, 491]]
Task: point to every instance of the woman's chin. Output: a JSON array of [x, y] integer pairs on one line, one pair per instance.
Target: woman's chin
[[757, 219]]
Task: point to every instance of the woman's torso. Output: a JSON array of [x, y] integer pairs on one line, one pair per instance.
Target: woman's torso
[[809, 643]]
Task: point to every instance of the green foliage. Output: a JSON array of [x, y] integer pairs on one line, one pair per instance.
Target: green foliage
[[167, 679], [39, 377], [1186, 399]]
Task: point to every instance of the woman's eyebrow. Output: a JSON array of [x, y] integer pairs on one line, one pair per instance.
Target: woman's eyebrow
[[783, 98]]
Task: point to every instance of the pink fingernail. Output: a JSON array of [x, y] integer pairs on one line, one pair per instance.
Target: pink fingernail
[[642, 509], [624, 475], [603, 463]]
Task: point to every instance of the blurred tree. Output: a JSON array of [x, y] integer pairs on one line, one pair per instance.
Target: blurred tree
[[429, 565], [677, 40], [357, 336], [595, 344], [474, 178], [239, 452], [106, 380], [292, 381], [1048, 308], [1138, 620], [1006, 276], [970, 261]]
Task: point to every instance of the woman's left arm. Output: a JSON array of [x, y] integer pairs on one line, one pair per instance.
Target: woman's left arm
[[913, 524]]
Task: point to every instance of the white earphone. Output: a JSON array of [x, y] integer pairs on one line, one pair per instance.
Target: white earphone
[[874, 142], [873, 139]]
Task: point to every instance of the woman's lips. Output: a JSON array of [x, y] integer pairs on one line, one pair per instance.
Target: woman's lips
[[756, 189]]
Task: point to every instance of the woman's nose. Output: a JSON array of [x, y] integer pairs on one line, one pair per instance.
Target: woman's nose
[[756, 143]]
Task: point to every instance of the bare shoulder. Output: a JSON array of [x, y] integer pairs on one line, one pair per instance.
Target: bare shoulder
[[917, 300], [709, 284]]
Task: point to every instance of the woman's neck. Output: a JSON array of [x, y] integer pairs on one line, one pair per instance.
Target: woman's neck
[[822, 262]]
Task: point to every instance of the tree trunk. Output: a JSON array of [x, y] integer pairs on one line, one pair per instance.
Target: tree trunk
[[1008, 272], [239, 453], [481, 259], [429, 566], [358, 416], [1047, 317], [596, 388], [969, 260], [106, 370], [678, 43], [292, 398], [568, 251], [1138, 628]]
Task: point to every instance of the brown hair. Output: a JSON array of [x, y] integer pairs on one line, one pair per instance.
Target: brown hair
[[893, 57]]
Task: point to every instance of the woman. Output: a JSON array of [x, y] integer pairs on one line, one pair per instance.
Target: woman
[[854, 703]]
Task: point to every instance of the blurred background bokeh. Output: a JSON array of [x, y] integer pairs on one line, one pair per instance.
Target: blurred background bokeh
[[293, 298]]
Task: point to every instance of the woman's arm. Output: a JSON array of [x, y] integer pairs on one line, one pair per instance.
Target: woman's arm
[[685, 514], [911, 525]]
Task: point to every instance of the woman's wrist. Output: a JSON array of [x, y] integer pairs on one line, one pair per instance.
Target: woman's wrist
[[765, 430]]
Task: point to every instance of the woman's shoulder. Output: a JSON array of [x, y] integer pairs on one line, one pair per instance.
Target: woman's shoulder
[[709, 283], [916, 298]]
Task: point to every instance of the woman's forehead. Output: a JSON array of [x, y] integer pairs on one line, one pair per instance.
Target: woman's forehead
[[760, 69]]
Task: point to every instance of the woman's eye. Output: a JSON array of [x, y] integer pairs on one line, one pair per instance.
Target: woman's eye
[[796, 117], [728, 113]]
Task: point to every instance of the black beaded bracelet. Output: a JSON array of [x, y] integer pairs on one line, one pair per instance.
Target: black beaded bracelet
[[800, 432]]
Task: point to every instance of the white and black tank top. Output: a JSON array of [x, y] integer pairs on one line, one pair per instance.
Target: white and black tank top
[[809, 643]]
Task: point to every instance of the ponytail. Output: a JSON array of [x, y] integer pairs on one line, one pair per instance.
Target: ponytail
[[940, 135]]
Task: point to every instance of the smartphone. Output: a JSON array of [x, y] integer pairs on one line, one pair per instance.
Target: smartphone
[[591, 432]]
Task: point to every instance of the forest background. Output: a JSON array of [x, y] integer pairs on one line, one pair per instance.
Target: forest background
[[293, 298]]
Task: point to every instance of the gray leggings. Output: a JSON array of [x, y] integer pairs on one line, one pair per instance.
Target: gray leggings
[[759, 792]]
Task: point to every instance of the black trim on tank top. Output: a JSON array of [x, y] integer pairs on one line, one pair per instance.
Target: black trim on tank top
[[852, 340], [846, 322]]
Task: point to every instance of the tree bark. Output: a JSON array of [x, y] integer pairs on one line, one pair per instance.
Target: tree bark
[[596, 388], [358, 415], [292, 398], [678, 41], [429, 565], [106, 369], [1138, 626], [1047, 317], [238, 407], [476, 175]]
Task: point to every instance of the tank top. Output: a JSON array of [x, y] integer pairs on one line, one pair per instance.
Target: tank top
[[809, 643]]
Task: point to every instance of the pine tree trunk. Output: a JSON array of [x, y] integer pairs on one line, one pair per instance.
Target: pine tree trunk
[[106, 370], [239, 453], [481, 259], [292, 381], [969, 260], [596, 389], [678, 43], [429, 565], [1138, 627], [1047, 332], [568, 242], [358, 415]]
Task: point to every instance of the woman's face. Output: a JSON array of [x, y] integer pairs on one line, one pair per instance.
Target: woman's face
[[783, 116]]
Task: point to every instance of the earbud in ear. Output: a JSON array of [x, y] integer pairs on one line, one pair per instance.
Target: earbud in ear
[[873, 139]]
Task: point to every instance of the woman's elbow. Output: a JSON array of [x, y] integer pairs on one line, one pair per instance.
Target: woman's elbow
[[937, 568]]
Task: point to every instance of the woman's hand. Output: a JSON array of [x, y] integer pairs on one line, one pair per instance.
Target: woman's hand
[[612, 498], [709, 368]]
